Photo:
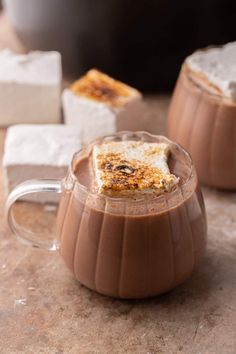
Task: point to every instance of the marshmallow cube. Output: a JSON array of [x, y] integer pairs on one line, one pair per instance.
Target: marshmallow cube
[[38, 151], [100, 106], [30, 87]]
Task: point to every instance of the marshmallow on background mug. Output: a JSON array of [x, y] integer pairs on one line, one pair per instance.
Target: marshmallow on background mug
[[100, 105], [30, 87], [38, 151]]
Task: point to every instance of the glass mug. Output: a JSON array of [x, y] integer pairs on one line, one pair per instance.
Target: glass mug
[[123, 247], [202, 120]]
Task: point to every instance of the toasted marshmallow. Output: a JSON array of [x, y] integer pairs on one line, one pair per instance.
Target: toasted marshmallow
[[102, 88], [215, 68], [30, 87], [100, 105], [131, 167]]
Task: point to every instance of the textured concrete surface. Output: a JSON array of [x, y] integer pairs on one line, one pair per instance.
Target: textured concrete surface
[[44, 310]]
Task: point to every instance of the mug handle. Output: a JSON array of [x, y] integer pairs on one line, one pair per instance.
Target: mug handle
[[25, 188]]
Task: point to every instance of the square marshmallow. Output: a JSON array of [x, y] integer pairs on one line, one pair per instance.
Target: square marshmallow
[[100, 105], [38, 151], [30, 87], [132, 167]]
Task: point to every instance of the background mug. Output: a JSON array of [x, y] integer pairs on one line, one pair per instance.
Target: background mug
[[203, 121]]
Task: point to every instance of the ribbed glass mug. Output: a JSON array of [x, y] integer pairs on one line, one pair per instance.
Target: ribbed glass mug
[[202, 120], [123, 247]]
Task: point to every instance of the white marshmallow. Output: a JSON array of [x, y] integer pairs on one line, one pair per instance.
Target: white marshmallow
[[93, 119], [39, 151], [97, 116], [218, 65], [30, 86]]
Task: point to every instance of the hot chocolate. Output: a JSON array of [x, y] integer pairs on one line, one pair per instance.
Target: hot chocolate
[[132, 247]]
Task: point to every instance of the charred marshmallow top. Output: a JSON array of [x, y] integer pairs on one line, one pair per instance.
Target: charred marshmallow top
[[102, 88], [128, 167]]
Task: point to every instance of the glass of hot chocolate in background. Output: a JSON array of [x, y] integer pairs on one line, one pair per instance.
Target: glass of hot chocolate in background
[[202, 114], [121, 246]]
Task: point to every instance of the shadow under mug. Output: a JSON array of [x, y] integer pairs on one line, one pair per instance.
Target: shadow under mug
[[123, 247]]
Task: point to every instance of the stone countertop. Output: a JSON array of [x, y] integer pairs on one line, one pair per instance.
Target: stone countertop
[[44, 310]]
